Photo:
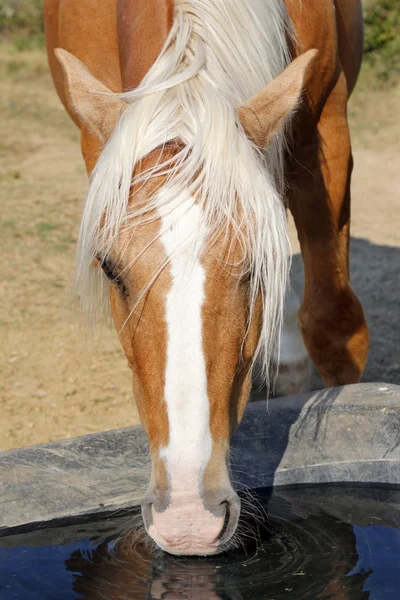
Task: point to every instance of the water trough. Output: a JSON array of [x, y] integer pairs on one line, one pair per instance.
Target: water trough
[[348, 435]]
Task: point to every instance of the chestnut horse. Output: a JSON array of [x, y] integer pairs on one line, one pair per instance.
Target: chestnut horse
[[200, 120]]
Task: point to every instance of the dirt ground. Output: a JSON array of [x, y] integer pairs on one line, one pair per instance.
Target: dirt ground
[[53, 384]]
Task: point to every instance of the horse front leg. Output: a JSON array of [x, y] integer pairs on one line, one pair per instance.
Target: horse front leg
[[331, 317]]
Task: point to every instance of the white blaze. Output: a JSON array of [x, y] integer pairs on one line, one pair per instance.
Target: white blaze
[[189, 446]]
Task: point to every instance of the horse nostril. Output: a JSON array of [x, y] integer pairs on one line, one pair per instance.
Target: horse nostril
[[147, 514], [232, 513], [226, 520]]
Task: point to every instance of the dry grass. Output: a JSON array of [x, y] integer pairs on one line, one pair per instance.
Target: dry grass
[[52, 384], [374, 111]]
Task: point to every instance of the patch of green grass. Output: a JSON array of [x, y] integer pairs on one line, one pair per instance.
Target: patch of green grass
[[382, 38], [21, 21], [103, 399], [60, 248], [7, 224], [28, 42], [43, 228], [10, 175]]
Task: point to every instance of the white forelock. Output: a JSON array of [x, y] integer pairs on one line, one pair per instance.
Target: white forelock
[[218, 54]]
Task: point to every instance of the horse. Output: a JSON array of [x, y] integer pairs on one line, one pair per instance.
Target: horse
[[202, 122]]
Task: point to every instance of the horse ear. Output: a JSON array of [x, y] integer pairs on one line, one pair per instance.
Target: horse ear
[[93, 102], [262, 115]]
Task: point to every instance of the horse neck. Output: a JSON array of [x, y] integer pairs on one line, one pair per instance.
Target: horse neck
[[142, 28]]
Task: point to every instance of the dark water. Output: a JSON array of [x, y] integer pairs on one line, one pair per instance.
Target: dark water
[[316, 543]]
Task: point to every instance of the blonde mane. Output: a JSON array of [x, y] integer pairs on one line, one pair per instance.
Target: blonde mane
[[219, 53]]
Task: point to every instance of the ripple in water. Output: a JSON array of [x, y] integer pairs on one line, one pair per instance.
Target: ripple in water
[[316, 543]]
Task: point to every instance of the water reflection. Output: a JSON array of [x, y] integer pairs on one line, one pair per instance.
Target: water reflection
[[334, 543], [301, 558]]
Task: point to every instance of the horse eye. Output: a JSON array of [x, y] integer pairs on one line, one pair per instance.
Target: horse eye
[[110, 272], [246, 276]]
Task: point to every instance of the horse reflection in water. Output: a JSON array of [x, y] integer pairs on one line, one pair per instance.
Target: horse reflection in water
[[309, 558], [131, 571]]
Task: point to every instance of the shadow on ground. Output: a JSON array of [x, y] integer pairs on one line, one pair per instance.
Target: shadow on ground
[[375, 276]]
